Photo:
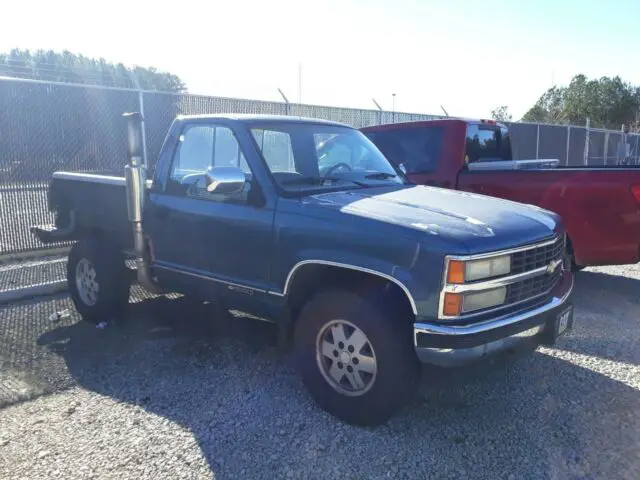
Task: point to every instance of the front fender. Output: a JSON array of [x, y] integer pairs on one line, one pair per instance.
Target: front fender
[[409, 276]]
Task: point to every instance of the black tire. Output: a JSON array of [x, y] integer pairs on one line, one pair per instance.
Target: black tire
[[571, 259], [398, 369], [111, 275]]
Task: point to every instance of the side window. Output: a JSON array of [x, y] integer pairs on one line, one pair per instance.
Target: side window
[[195, 151], [276, 149], [204, 146], [201, 147], [227, 151], [482, 143]]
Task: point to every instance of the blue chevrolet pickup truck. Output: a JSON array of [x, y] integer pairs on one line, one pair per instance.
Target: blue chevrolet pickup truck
[[304, 222]]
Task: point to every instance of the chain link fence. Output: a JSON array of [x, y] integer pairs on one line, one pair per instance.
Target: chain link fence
[[48, 126], [574, 146]]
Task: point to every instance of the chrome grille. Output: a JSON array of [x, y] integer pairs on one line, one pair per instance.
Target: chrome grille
[[535, 271], [537, 257], [532, 287]]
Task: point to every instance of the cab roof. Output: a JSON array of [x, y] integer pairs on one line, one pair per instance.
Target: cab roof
[[251, 117]]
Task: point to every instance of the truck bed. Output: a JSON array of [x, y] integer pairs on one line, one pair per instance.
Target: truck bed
[[98, 201], [600, 211]]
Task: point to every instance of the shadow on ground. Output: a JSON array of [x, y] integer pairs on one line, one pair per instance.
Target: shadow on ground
[[537, 416], [592, 285]]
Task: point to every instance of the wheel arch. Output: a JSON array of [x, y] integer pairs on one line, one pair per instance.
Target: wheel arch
[[308, 276]]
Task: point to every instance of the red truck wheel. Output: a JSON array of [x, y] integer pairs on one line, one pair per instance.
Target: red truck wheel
[[356, 361], [571, 259]]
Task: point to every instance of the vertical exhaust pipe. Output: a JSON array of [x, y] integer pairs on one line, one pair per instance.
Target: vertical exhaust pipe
[[135, 174]]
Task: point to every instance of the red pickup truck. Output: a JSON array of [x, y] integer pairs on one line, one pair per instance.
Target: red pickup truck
[[600, 205]]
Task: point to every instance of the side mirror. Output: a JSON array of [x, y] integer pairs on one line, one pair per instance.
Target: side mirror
[[403, 168], [225, 180]]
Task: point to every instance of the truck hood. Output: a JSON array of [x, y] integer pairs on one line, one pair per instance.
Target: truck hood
[[481, 223]]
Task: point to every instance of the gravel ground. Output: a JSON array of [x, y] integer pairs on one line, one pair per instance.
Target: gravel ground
[[169, 398]]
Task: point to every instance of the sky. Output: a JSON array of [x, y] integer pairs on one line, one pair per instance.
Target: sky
[[468, 56]]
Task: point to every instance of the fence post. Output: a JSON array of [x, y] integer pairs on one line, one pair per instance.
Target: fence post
[[538, 142], [587, 143], [606, 146], [568, 143]]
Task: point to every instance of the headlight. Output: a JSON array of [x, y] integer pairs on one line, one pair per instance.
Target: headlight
[[486, 299], [492, 267], [458, 303], [461, 272]]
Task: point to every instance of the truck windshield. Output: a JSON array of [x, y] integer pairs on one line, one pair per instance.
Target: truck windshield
[[304, 156], [487, 143]]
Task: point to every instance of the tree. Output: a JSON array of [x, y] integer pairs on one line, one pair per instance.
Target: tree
[[72, 68], [607, 102], [549, 108], [501, 114]]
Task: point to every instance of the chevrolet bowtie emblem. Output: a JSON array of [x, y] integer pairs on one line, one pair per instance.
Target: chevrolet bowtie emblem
[[552, 266]]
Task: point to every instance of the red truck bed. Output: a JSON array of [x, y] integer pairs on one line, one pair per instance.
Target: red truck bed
[[600, 206]]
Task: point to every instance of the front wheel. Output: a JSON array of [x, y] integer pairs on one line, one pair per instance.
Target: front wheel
[[356, 360], [98, 280]]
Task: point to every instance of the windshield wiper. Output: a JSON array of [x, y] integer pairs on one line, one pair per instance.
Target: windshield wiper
[[380, 176], [319, 181]]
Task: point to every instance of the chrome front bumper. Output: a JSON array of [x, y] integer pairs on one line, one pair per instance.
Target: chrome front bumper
[[449, 345]]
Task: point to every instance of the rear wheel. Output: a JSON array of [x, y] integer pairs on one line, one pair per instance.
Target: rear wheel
[[354, 358], [98, 280]]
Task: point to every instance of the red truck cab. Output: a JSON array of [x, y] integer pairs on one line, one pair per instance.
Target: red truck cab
[[600, 205]]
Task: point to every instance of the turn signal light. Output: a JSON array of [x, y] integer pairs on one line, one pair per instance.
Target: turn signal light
[[635, 191], [455, 274], [452, 304]]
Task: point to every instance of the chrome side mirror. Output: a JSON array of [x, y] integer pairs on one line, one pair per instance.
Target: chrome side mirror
[[225, 180], [403, 168]]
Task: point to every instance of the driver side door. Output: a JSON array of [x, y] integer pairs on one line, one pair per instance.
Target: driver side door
[[216, 244]]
